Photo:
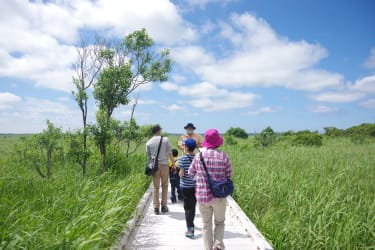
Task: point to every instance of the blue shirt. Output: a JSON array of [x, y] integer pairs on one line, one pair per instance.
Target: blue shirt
[[184, 163]]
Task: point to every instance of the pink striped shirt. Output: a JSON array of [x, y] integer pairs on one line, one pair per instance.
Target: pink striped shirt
[[218, 166]]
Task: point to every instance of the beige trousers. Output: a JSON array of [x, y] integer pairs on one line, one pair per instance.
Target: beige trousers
[[162, 175], [217, 209]]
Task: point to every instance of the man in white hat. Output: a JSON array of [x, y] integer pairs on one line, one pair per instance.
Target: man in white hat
[[189, 128]]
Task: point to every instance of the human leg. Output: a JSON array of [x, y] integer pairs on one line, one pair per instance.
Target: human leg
[[219, 207], [164, 175], [189, 206], [173, 191], [155, 192], [206, 214]]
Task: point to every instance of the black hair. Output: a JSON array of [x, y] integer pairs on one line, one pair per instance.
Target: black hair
[[174, 152], [156, 128]]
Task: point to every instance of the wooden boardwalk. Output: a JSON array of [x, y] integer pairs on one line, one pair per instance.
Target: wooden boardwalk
[[166, 231]]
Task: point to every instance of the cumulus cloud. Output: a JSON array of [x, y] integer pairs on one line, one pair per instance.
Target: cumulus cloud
[[323, 109], [7, 100], [168, 86], [208, 97], [365, 85], [338, 96], [259, 57], [38, 38], [34, 112], [369, 104], [173, 107], [266, 109], [202, 3]]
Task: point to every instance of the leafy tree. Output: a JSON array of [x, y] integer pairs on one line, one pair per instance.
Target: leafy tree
[[266, 138], [87, 68], [128, 66], [333, 132], [237, 132], [38, 150], [365, 129]]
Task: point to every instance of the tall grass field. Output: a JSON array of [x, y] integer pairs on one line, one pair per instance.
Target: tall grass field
[[308, 197], [299, 197], [69, 211]]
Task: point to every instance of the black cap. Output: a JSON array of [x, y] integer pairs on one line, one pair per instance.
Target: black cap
[[156, 128], [189, 125]]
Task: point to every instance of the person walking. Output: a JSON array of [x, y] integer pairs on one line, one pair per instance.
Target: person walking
[[162, 174], [220, 168], [189, 128], [187, 185]]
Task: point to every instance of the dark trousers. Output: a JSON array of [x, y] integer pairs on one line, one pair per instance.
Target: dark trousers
[[189, 205], [175, 185]]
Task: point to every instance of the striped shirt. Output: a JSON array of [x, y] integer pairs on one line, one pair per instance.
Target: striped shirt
[[184, 163], [218, 166]]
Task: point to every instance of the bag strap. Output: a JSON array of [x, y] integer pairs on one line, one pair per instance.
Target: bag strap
[[204, 165], [157, 155]]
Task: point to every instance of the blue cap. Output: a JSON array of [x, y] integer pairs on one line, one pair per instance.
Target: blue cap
[[190, 143]]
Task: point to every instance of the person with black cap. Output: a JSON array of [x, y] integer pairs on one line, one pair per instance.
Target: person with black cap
[[189, 128], [162, 174]]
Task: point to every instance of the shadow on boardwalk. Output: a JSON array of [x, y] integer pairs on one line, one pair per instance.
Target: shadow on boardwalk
[[166, 231]]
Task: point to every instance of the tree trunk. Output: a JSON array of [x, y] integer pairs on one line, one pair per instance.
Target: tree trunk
[[49, 163], [130, 128]]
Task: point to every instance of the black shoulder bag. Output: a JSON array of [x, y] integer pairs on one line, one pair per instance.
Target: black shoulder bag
[[152, 166], [219, 189]]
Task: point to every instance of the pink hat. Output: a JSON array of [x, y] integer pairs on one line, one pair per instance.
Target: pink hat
[[212, 139]]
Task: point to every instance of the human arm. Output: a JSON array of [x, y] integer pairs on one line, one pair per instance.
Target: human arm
[[181, 144], [148, 152], [193, 168]]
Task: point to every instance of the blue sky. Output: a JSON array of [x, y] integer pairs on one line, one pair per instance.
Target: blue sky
[[288, 64]]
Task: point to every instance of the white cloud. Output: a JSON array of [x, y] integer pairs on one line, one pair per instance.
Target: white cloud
[[338, 96], [144, 102], [168, 86], [7, 100], [208, 97], [173, 107], [202, 3], [323, 109], [370, 62], [365, 85], [37, 37], [369, 104], [265, 109], [30, 115], [259, 57]]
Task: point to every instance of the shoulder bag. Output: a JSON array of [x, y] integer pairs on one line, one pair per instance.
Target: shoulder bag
[[219, 189], [152, 166]]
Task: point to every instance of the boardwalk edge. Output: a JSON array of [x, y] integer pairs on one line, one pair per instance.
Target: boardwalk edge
[[131, 223], [255, 234]]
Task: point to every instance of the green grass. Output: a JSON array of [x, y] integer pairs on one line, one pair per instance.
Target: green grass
[[308, 197], [69, 211], [298, 197]]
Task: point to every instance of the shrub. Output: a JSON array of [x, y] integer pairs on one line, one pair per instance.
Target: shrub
[[237, 132], [230, 140], [307, 138], [266, 138], [333, 132]]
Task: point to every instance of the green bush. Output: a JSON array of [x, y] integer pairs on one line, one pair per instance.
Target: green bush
[[266, 138], [228, 139], [307, 138], [237, 132]]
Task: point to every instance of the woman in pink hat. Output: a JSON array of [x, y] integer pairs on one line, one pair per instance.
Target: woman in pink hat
[[219, 168]]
